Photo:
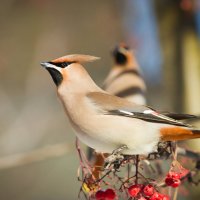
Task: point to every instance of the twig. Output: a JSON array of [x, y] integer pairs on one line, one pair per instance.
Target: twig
[[106, 174], [175, 194], [136, 168], [83, 160]]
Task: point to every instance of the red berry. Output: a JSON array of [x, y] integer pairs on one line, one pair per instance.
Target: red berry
[[174, 175], [176, 183], [156, 196], [165, 197], [134, 190], [148, 190], [100, 195], [169, 181], [172, 182], [110, 194], [142, 198]]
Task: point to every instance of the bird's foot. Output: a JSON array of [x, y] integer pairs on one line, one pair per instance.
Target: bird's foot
[[115, 158], [164, 150], [119, 150]]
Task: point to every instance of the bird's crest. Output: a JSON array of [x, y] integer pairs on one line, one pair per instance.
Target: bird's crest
[[75, 58]]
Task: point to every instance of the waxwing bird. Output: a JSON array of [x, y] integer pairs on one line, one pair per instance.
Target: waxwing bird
[[125, 77], [106, 122]]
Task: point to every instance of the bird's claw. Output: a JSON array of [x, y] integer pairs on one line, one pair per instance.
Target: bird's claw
[[119, 150], [115, 158]]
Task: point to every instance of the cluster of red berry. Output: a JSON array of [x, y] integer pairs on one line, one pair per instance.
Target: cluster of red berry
[[173, 179], [108, 194], [148, 191], [138, 191], [145, 192]]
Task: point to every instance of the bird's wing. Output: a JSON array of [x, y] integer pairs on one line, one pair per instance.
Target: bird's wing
[[113, 105], [178, 116]]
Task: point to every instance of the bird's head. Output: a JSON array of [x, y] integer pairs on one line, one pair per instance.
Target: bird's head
[[121, 54], [62, 68]]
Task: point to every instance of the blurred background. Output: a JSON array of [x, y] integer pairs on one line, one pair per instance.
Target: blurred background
[[166, 38]]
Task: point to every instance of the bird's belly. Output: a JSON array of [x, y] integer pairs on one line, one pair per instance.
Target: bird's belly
[[94, 142], [112, 132]]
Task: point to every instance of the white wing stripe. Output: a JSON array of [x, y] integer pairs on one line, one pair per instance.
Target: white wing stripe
[[126, 112]]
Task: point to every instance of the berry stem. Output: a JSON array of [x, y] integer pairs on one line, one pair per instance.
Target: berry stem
[[136, 168], [128, 170], [106, 174], [175, 194]]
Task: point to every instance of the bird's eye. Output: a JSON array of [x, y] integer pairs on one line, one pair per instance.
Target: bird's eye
[[64, 64], [61, 64], [126, 47]]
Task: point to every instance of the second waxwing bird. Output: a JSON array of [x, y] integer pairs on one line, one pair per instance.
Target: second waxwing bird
[[125, 77], [106, 122]]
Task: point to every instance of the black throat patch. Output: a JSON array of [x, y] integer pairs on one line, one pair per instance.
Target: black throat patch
[[56, 75]]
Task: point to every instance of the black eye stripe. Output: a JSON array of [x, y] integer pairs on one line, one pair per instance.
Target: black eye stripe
[[61, 64]]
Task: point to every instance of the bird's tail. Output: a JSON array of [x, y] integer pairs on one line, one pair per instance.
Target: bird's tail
[[178, 133]]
